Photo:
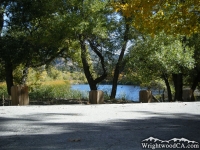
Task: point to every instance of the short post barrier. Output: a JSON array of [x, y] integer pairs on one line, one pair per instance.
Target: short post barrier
[[3, 100], [19, 95], [187, 94], [96, 97], [145, 96]]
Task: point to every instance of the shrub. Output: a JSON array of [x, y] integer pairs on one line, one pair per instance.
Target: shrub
[[3, 90], [49, 89]]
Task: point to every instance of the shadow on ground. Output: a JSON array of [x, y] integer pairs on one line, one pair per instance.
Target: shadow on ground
[[32, 133]]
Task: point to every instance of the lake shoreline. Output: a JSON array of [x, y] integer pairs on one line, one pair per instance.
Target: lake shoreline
[[127, 92]]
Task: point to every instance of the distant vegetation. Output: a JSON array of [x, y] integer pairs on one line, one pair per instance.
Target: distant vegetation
[[111, 41], [50, 83]]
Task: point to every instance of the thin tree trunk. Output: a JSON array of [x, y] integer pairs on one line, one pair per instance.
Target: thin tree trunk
[[178, 84], [25, 74], [169, 92], [9, 76], [115, 80], [119, 63]]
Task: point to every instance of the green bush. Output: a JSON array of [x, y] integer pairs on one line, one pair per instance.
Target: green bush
[[3, 90], [54, 73], [59, 89]]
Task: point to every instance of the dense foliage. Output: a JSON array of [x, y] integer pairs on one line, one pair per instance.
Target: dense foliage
[[171, 16], [135, 42]]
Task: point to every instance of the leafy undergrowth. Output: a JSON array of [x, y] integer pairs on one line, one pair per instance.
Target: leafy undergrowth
[[55, 92], [74, 101]]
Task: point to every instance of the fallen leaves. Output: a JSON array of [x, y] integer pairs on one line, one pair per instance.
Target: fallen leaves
[[74, 140]]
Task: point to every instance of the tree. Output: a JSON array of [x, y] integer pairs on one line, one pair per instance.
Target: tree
[[48, 33], [119, 64], [89, 30], [194, 75], [160, 57], [92, 37], [173, 17], [30, 36]]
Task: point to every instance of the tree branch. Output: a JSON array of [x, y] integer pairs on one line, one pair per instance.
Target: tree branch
[[95, 49]]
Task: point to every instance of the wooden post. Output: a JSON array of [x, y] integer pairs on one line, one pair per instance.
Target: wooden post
[[3, 100], [187, 95], [145, 96], [19, 95], [14, 95], [96, 97]]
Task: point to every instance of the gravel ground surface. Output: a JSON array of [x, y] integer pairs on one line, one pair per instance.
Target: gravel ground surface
[[96, 127]]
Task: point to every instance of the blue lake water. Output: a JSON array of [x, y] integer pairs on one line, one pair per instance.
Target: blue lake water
[[129, 92]]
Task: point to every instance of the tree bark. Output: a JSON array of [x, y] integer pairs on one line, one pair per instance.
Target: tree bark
[[169, 92], [25, 74], [178, 84], [119, 63], [86, 66], [1, 21], [92, 82], [95, 49], [9, 75], [194, 85]]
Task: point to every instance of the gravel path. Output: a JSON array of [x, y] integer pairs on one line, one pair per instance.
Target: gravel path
[[96, 127]]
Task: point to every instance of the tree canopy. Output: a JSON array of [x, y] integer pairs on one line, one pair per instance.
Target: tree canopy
[[30, 35], [96, 34], [171, 16]]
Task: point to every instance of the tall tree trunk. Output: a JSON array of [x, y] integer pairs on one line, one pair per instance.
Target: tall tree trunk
[[92, 82], [1, 21], [194, 85], [119, 62], [178, 84], [169, 92], [86, 66], [99, 54], [9, 76]]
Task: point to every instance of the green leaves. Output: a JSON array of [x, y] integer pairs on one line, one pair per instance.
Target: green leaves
[[161, 54], [174, 57]]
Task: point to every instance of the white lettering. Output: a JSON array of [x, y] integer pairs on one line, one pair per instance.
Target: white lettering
[[182, 145], [178, 145], [144, 145]]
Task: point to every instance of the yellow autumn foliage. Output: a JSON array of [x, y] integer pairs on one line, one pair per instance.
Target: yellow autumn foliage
[[56, 83], [172, 16]]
